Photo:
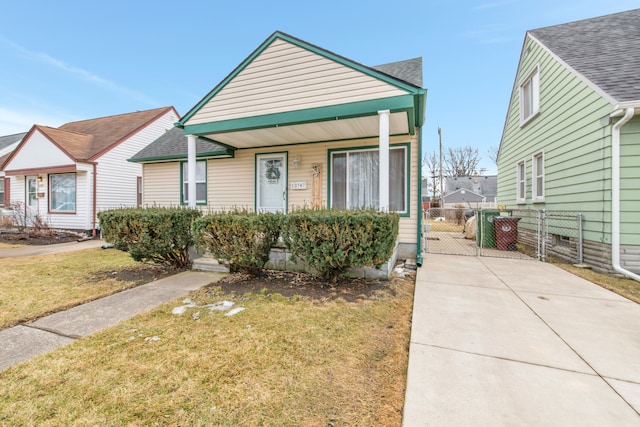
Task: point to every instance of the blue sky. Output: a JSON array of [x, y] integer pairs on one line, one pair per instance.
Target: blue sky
[[73, 60]]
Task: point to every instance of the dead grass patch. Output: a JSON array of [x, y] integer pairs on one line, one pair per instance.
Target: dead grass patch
[[35, 286], [626, 287], [282, 361]]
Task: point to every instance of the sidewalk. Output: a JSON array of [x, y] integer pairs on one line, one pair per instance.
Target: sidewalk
[[23, 342], [26, 251], [503, 342]]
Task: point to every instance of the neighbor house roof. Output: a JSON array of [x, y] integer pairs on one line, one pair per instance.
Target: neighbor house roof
[[605, 50], [172, 145], [6, 143], [485, 185]]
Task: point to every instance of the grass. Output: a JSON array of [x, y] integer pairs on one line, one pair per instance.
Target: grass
[[35, 286], [281, 361], [9, 246], [626, 287]]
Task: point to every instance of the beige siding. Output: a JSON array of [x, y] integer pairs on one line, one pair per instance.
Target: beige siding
[[161, 184], [285, 77]]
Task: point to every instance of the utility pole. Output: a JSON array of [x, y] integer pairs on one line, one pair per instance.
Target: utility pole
[[441, 192]]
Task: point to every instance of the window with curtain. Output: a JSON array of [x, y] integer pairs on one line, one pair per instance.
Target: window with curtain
[[201, 182], [62, 192], [355, 179]]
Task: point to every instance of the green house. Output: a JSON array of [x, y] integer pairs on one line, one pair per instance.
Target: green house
[[571, 138]]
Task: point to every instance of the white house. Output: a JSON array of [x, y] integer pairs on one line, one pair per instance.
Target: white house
[[65, 175]]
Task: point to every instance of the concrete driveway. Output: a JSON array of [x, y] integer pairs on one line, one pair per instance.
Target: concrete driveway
[[503, 342], [38, 250]]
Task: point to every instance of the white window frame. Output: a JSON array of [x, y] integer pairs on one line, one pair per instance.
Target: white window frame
[[3, 191], [530, 96], [537, 178], [185, 182], [406, 171], [52, 199], [521, 182]]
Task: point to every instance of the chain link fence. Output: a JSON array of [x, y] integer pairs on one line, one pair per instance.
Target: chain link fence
[[504, 233]]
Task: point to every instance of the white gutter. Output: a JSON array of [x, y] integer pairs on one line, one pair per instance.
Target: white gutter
[[629, 110]]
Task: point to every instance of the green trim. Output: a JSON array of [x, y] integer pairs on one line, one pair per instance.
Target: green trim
[[311, 115], [229, 154], [419, 207], [406, 145], [304, 45], [206, 184], [255, 178]]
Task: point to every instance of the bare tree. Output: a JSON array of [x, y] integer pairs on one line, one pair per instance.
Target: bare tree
[[431, 162], [493, 154], [461, 161]]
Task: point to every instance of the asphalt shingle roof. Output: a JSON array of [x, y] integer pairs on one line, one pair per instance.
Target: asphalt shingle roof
[[173, 145], [409, 70], [7, 140], [605, 50]]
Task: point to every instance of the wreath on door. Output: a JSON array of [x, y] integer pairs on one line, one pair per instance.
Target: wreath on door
[[272, 172]]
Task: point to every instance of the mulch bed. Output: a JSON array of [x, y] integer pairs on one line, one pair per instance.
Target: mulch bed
[[38, 238]]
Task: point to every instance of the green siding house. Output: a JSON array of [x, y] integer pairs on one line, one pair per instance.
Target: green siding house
[[571, 138]]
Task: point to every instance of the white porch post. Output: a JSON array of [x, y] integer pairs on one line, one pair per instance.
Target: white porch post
[[191, 166], [384, 160]]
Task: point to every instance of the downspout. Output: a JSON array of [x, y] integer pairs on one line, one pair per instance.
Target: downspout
[[95, 202], [615, 192], [419, 259]]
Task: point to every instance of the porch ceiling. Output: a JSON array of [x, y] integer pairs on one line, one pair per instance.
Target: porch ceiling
[[330, 130]]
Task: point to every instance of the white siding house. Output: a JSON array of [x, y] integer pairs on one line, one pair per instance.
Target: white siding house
[[64, 176]]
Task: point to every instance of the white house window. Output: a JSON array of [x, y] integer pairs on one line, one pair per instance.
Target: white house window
[[139, 191], [538, 177], [2, 202], [521, 180], [355, 179], [62, 190], [201, 182], [530, 96]]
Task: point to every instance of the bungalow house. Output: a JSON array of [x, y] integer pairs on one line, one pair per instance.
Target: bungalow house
[[65, 175], [571, 136], [296, 125], [8, 143]]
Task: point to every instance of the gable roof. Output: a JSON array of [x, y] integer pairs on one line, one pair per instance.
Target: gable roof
[[7, 144], [172, 145], [484, 185], [107, 132], [605, 50]]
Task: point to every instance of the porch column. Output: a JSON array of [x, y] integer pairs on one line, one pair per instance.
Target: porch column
[[384, 160], [191, 166]]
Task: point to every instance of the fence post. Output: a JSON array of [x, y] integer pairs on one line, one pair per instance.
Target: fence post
[[579, 243]]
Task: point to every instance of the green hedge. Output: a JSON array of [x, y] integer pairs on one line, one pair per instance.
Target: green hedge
[[332, 241], [242, 238], [157, 235]]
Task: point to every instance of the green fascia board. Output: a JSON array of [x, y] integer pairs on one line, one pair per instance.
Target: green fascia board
[[215, 154], [304, 45], [311, 115]]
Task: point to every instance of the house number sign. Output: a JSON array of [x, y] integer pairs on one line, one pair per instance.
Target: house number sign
[[301, 185]]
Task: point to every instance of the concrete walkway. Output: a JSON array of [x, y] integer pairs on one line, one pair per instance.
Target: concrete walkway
[[37, 250], [23, 342], [503, 342]]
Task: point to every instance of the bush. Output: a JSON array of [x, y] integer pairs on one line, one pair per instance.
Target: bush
[[332, 241], [242, 238], [156, 235]]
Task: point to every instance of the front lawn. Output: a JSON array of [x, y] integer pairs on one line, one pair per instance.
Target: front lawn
[[284, 360], [35, 286]]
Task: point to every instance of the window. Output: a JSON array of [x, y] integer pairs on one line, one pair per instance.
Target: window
[[538, 177], [521, 180], [2, 185], [62, 190], [530, 97], [201, 182], [355, 179], [139, 191]]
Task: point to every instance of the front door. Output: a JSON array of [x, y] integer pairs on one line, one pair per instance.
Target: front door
[[271, 182], [31, 200]]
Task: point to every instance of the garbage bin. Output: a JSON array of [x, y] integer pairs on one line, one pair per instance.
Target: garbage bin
[[506, 229], [486, 237]]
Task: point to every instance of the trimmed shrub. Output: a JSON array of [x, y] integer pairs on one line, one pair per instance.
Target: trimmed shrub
[[156, 235], [242, 238], [332, 241]]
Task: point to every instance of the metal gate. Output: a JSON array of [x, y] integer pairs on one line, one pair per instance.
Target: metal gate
[[505, 233]]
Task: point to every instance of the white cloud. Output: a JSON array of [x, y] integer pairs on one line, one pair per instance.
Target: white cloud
[[494, 4], [83, 74]]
